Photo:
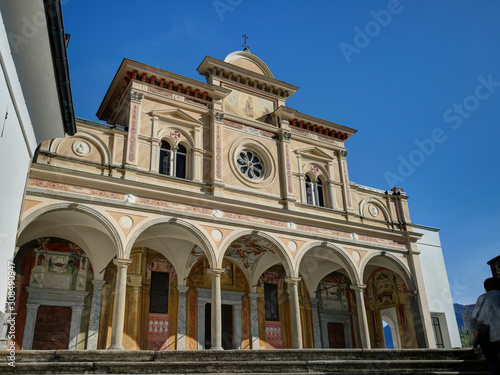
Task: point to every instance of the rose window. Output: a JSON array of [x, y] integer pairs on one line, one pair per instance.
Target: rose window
[[250, 164]]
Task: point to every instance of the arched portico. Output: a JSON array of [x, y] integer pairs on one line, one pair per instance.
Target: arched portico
[[86, 231], [267, 265], [55, 292], [78, 223], [331, 277], [391, 297], [176, 243]]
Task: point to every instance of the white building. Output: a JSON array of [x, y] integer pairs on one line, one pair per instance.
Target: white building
[[438, 288], [35, 104]]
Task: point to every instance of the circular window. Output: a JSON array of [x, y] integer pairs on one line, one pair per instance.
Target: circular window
[[250, 164]]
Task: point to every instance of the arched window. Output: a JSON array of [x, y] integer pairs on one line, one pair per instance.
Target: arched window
[[173, 162], [165, 158], [180, 162], [315, 191]]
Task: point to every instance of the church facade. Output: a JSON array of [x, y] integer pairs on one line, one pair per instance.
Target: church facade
[[211, 215]]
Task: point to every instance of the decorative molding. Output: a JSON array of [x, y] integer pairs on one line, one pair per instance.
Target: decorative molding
[[250, 129], [316, 137], [74, 189]]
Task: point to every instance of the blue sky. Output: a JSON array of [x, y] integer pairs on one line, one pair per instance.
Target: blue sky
[[420, 80]]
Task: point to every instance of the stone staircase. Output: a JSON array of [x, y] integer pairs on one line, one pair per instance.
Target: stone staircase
[[307, 361]]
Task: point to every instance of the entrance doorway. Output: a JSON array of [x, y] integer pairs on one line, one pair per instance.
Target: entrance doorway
[[336, 337], [227, 326], [52, 328], [390, 326]]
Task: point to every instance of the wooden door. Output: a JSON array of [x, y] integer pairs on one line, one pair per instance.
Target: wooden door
[[336, 337], [52, 328]]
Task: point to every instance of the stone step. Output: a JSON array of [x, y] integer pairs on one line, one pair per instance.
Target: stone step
[[296, 362], [245, 355]]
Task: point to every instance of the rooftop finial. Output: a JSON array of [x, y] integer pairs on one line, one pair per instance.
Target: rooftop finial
[[246, 47]]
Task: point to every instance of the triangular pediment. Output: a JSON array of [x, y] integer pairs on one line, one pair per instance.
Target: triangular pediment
[[177, 116], [314, 153]]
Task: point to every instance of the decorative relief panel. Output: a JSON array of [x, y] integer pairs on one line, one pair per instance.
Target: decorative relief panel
[[81, 148]]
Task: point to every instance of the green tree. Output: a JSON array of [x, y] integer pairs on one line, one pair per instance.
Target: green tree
[[466, 337]]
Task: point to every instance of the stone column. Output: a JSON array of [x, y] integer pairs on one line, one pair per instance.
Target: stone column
[[95, 314], [181, 317], [29, 326], [119, 304], [254, 319], [201, 324], [216, 308], [74, 331], [238, 332], [362, 319], [315, 323], [295, 310]]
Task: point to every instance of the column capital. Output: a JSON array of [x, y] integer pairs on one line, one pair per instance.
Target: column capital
[[182, 288], [77, 308], [135, 281], [32, 306], [293, 280], [313, 301], [359, 287], [122, 262], [98, 283], [135, 96], [216, 271], [253, 296]]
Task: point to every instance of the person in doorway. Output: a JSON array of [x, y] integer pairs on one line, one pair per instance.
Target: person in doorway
[[485, 322]]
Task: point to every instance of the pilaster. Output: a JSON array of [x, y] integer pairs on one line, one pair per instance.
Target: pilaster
[[238, 334], [29, 327], [76, 319], [344, 177], [181, 317], [133, 127], [254, 319], [315, 323], [285, 170], [216, 172], [95, 314]]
